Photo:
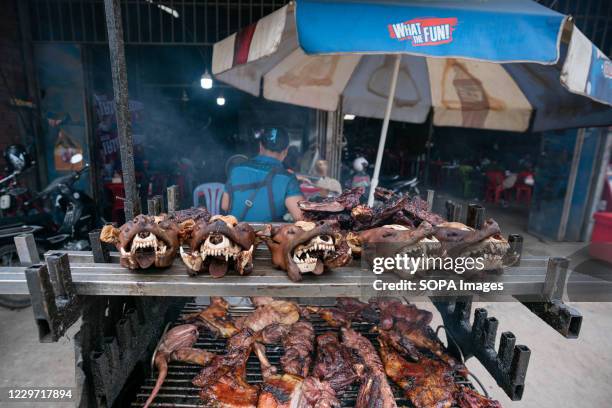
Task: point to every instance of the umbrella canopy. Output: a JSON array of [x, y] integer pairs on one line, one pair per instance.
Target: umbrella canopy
[[506, 65]]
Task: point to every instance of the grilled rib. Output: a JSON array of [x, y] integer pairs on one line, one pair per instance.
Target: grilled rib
[[298, 346], [334, 363], [427, 384], [374, 390], [223, 383], [239, 348]]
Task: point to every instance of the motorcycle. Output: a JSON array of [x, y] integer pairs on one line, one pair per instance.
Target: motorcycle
[[65, 226], [408, 187]]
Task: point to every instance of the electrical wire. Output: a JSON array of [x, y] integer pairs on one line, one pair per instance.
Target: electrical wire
[[450, 338]]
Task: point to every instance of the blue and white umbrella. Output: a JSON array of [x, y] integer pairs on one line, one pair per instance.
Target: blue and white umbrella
[[506, 64]]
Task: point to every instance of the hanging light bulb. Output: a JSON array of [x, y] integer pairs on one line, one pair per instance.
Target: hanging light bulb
[[206, 81], [220, 100], [348, 116]]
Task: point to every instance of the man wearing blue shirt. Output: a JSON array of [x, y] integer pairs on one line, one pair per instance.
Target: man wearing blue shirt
[[261, 189]]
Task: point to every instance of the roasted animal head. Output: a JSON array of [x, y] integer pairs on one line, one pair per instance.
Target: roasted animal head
[[144, 241], [306, 247], [219, 244], [459, 240], [389, 240]]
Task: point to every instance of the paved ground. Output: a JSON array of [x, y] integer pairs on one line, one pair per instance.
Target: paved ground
[[562, 373]]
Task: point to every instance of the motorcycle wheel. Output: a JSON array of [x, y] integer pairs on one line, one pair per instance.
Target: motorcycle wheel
[[8, 257]]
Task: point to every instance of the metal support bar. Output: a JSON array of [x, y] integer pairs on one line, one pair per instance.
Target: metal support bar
[[154, 206], [159, 203], [115, 338], [120, 87], [55, 305], [173, 199], [99, 249], [26, 249], [515, 253], [561, 317], [475, 216], [508, 365], [556, 276], [453, 211], [564, 319], [430, 199]]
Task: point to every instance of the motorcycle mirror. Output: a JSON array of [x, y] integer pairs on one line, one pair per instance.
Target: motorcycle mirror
[[77, 158]]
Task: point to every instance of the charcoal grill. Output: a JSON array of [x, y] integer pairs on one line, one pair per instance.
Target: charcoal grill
[[112, 346], [178, 391]]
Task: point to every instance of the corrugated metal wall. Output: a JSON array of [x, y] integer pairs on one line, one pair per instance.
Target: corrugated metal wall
[[181, 22], [592, 17], [203, 22]]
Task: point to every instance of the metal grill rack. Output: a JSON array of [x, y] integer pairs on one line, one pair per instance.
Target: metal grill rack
[[178, 391]]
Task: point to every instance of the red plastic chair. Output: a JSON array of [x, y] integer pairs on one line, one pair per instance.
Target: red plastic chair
[[212, 194], [308, 190], [495, 186], [117, 195], [523, 191]]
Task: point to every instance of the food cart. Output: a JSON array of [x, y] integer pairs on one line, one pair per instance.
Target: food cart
[[124, 313]]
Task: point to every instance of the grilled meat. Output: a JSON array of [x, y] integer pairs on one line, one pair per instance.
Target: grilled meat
[[280, 391], [231, 391], [393, 310], [317, 394], [298, 346], [427, 384], [284, 391], [214, 317], [267, 369], [223, 383], [274, 333], [467, 398], [422, 337], [261, 300], [374, 390], [357, 310], [400, 343], [346, 311], [273, 312], [176, 345], [239, 348], [334, 363], [291, 391], [332, 315]]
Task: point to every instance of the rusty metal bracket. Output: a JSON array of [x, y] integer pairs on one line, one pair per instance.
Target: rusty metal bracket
[[54, 301], [116, 338], [550, 308], [99, 249], [508, 365]]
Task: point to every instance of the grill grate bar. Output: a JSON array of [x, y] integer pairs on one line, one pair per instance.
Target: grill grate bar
[[178, 392]]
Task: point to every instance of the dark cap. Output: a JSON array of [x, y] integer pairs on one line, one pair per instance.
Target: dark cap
[[274, 139]]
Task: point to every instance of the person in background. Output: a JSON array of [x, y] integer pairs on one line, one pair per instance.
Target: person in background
[[261, 189], [292, 160], [328, 186]]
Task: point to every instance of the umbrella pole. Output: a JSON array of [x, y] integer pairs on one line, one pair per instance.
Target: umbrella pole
[[385, 128]]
